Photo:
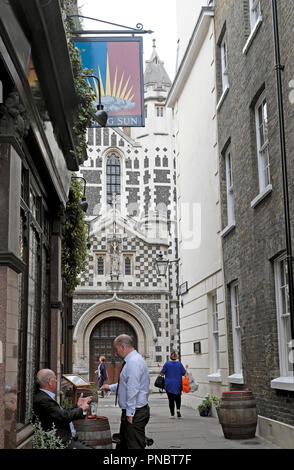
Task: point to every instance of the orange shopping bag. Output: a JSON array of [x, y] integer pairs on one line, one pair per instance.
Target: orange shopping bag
[[186, 386]]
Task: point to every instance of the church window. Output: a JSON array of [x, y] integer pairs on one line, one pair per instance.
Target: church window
[[113, 177], [100, 266], [128, 265]]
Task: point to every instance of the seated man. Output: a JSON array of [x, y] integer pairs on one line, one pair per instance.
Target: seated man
[[49, 412]]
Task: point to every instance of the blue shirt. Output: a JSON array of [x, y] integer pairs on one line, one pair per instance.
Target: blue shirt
[[173, 372], [134, 383]]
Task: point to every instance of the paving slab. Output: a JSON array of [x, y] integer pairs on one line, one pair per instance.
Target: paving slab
[[189, 432]]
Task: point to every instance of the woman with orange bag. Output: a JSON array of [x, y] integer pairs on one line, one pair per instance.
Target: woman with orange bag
[[173, 372]]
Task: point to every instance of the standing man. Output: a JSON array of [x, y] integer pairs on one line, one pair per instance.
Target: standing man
[[132, 392], [50, 412]]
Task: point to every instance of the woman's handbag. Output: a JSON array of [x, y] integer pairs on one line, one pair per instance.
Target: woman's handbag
[[159, 382], [185, 383]]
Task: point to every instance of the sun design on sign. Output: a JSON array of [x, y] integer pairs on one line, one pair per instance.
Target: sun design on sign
[[118, 93]]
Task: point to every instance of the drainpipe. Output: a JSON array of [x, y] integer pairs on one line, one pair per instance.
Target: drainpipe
[[279, 68]]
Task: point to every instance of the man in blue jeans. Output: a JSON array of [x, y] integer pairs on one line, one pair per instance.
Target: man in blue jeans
[[132, 392]]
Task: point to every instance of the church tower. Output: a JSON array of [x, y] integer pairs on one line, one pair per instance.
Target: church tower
[[131, 191]]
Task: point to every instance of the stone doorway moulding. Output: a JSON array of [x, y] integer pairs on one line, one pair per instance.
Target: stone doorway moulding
[[118, 308]]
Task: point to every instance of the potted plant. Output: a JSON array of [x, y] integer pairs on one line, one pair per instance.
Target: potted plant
[[205, 407]]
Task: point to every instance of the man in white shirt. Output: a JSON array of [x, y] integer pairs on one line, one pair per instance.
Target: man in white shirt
[[132, 392]]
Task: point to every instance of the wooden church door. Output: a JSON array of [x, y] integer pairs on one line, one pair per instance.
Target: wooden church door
[[101, 344]]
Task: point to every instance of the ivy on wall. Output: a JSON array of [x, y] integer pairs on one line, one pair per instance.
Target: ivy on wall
[[74, 241], [85, 94]]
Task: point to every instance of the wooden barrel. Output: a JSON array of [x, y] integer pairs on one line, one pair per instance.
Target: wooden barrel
[[95, 432], [237, 415]]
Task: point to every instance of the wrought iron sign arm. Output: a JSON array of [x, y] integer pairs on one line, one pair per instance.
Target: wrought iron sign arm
[[138, 30]]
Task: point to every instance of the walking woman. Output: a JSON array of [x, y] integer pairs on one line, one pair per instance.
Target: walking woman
[[173, 372], [102, 373]]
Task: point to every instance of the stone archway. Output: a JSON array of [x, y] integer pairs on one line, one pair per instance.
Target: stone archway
[[117, 308]]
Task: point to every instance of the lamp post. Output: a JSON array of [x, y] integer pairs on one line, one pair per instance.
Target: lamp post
[[279, 68], [100, 116], [83, 203], [162, 265]]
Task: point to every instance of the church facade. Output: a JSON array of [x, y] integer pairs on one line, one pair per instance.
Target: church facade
[[131, 192]]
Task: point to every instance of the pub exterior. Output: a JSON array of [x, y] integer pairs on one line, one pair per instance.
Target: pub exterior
[[37, 156]]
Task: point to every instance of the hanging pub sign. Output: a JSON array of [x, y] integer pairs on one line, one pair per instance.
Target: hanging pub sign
[[118, 64]]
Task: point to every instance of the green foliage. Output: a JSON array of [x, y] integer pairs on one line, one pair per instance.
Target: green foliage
[[94, 392], [74, 247], [85, 94], [208, 401], [46, 439], [67, 402]]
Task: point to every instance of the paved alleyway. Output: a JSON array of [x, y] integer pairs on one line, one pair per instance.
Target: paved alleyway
[[189, 432]]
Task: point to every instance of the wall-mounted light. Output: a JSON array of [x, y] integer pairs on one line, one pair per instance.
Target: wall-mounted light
[[83, 204], [100, 116], [161, 264]]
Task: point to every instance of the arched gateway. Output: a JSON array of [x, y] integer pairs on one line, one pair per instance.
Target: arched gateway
[[97, 328], [101, 344]]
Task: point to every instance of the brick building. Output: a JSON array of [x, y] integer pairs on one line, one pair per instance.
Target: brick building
[[253, 226], [119, 292]]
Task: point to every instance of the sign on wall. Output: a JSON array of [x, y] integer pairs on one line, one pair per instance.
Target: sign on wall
[[117, 62]]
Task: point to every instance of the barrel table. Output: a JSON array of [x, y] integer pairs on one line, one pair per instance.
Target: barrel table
[[94, 431], [237, 415]]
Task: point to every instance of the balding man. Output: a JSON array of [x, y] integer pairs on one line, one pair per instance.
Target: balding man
[[132, 392], [49, 412]]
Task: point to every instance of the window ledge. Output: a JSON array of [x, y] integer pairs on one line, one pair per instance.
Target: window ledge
[[283, 383], [222, 98], [228, 229], [236, 379], [216, 377], [261, 196], [252, 35]]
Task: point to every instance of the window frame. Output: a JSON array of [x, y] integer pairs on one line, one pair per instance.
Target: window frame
[[224, 63], [113, 171], [159, 110], [262, 147], [236, 330], [229, 187], [215, 333], [34, 285], [129, 256], [254, 13], [286, 369]]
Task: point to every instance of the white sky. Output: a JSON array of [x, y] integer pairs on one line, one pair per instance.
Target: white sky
[[155, 15]]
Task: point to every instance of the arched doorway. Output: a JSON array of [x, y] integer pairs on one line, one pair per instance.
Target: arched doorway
[[101, 344]]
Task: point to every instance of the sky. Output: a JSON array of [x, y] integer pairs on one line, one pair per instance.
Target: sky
[[156, 15]]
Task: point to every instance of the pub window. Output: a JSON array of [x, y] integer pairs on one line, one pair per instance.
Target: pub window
[[34, 299]]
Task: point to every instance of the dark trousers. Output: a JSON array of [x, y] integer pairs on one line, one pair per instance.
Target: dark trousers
[[172, 400], [133, 435]]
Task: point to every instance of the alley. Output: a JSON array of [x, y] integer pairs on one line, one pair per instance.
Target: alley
[[189, 432]]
